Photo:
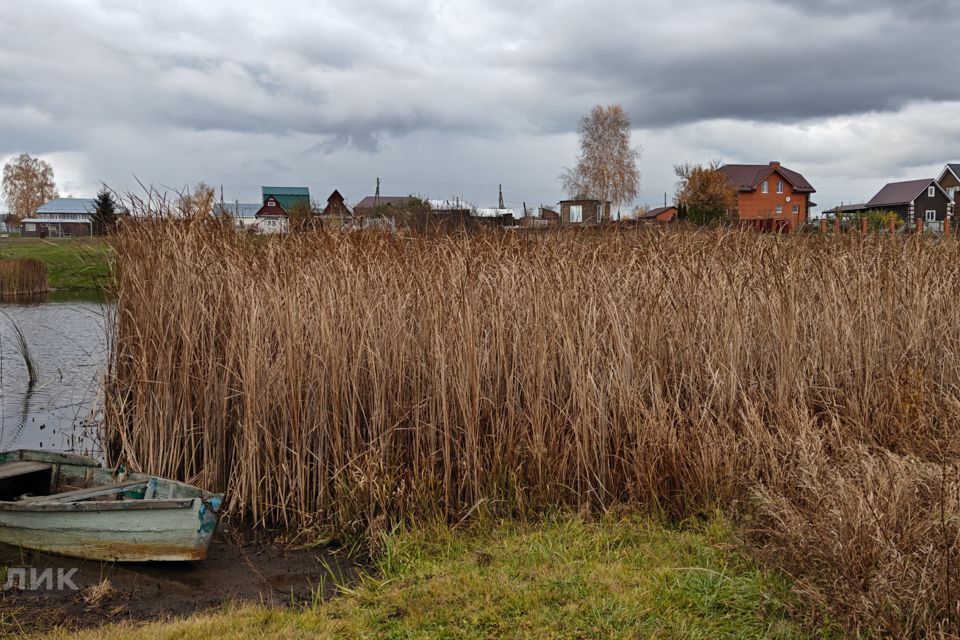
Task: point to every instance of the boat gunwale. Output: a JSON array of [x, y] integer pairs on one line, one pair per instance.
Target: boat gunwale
[[100, 505]]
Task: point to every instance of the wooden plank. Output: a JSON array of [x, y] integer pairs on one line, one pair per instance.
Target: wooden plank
[[19, 468], [50, 457], [91, 492]]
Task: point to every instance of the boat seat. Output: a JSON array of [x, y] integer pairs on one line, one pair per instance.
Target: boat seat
[[90, 492], [21, 467]]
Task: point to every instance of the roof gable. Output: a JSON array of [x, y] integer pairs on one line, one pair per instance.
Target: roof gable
[[271, 207], [953, 168]]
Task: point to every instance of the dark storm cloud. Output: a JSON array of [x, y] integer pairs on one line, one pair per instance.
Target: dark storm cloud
[[355, 73], [218, 88]]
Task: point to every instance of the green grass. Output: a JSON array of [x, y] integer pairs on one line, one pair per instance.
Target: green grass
[[565, 578], [72, 263]]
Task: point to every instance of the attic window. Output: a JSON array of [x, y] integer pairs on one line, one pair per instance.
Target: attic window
[[765, 187], [779, 186], [931, 191], [271, 203]]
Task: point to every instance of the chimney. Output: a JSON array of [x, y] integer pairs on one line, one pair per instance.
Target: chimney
[[775, 165]]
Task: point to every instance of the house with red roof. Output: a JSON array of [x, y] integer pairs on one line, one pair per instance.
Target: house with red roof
[[770, 196]]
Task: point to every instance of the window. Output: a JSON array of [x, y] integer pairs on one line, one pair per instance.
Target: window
[[765, 187], [796, 209], [576, 213], [271, 203], [779, 209], [779, 186], [931, 191], [931, 215], [31, 226]]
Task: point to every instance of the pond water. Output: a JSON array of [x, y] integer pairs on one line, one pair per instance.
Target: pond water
[[66, 338]]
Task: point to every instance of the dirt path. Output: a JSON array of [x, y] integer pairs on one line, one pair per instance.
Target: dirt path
[[232, 572]]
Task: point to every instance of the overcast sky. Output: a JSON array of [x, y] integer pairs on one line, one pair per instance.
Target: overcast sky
[[444, 98]]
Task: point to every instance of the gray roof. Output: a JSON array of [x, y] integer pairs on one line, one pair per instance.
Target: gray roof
[[955, 168], [80, 206], [385, 201], [240, 209], [900, 192]]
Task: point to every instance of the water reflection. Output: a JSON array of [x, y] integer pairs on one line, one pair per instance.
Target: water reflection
[[65, 336]]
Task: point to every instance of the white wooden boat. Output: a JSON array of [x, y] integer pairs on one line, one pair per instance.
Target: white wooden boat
[[70, 505]]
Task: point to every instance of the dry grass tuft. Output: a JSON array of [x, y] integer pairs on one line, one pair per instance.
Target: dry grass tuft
[[95, 594], [369, 378], [22, 277]]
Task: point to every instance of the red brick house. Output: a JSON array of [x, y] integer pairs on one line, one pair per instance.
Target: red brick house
[[770, 196]]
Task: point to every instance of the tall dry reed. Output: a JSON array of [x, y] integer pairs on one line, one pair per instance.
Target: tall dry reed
[[360, 379], [22, 277]]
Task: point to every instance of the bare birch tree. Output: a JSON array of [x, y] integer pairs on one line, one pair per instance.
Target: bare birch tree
[[607, 166], [27, 184]]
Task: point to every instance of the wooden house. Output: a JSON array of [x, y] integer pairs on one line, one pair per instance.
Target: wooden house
[[60, 218]]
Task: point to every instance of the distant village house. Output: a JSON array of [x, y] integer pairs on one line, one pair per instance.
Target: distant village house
[[60, 218], [660, 214], [770, 196], [584, 211]]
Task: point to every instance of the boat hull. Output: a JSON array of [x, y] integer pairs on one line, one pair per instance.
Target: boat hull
[[158, 519], [170, 530]]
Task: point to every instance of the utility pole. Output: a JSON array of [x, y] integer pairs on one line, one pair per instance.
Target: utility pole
[[524, 208], [500, 205], [376, 196]]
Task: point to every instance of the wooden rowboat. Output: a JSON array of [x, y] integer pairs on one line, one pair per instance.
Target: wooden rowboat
[[70, 505]]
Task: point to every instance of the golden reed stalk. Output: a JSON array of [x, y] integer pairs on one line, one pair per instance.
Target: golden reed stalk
[[357, 380], [22, 277]]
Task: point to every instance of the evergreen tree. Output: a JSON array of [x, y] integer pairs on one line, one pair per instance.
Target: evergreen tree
[[104, 213]]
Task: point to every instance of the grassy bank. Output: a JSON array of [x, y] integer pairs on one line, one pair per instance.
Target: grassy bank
[[72, 263], [808, 384], [616, 578]]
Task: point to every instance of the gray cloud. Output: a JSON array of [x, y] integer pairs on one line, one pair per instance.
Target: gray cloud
[[249, 93]]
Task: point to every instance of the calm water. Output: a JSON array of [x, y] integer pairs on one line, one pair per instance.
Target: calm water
[[66, 338]]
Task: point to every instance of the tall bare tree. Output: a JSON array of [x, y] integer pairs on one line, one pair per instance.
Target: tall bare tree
[[704, 193], [607, 166], [27, 184]]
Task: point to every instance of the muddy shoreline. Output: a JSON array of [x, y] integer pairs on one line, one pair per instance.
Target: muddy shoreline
[[235, 571]]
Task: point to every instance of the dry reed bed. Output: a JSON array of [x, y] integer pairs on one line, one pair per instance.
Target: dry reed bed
[[22, 277], [361, 379]]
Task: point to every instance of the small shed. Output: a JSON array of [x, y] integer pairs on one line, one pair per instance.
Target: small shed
[[584, 211], [660, 214]]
